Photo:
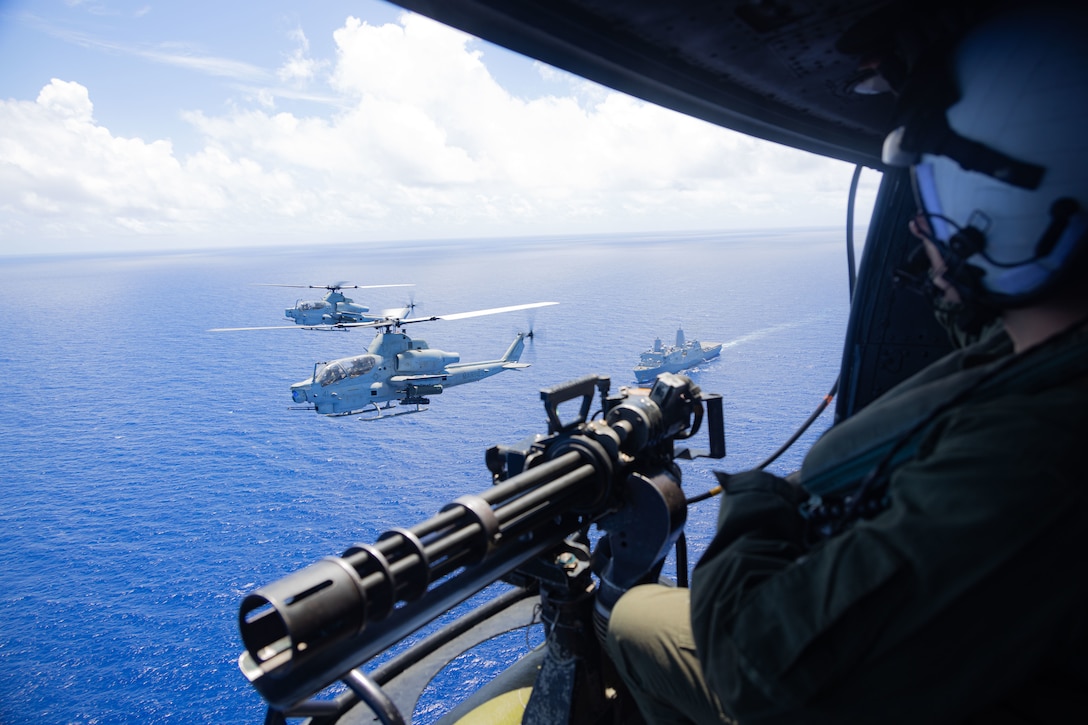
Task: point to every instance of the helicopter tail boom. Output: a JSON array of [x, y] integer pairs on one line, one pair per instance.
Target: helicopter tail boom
[[513, 353]]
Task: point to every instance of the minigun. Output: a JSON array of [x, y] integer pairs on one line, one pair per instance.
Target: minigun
[[319, 625]]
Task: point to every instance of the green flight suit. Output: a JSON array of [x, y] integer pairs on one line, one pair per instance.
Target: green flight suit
[[965, 600]]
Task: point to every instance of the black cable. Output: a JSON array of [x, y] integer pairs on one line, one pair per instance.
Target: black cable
[[826, 401], [852, 279], [682, 561], [803, 427], [852, 275]]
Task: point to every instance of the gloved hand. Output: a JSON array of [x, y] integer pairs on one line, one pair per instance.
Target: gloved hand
[[759, 503]]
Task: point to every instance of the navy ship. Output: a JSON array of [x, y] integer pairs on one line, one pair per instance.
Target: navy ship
[[674, 358]]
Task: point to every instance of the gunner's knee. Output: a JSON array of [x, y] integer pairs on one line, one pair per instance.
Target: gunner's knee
[[644, 619]]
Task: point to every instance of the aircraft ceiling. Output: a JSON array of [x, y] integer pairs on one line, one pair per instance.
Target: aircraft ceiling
[[768, 69]]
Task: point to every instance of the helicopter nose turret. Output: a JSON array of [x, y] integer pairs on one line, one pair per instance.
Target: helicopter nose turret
[[303, 392]]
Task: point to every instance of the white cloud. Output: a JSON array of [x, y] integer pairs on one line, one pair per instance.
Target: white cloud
[[66, 100], [423, 143], [299, 68]]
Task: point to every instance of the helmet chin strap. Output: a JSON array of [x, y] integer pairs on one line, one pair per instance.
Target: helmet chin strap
[[967, 241], [1068, 229], [961, 274], [970, 314], [975, 310]]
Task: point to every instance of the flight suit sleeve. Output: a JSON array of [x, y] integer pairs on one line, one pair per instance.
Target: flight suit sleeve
[[901, 610]]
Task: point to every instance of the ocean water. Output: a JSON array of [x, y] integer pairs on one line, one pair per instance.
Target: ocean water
[[154, 472]]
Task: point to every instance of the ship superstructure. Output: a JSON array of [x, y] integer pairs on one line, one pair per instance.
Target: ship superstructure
[[673, 358]]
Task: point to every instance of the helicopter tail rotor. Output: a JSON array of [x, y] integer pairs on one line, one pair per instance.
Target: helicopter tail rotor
[[533, 332]]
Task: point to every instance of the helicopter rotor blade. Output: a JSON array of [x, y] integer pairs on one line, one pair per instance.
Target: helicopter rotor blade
[[378, 286], [397, 322], [481, 313], [330, 287], [333, 287], [278, 327]]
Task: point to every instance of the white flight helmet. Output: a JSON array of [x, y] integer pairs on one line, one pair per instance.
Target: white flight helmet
[[1002, 173]]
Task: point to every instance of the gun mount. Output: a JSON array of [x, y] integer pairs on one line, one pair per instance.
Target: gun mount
[[318, 625]]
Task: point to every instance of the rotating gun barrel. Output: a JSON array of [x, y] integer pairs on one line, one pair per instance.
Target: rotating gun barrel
[[313, 627]]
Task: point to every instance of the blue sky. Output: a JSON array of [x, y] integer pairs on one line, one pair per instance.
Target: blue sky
[[156, 125]]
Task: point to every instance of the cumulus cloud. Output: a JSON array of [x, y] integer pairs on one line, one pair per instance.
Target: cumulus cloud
[[64, 176], [421, 142]]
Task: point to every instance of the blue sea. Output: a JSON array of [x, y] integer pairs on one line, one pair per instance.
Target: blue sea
[[154, 472]]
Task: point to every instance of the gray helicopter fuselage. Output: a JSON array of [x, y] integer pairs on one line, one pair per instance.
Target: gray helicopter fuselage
[[397, 369], [334, 309]]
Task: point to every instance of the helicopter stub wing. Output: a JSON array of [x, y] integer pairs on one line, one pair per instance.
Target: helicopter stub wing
[[418, 378], [446, 375]]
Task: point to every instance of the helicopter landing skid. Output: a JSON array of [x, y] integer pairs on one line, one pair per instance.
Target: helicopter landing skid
[[394, 410]]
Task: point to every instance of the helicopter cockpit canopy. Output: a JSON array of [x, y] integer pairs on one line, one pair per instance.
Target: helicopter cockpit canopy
[[312, 305], [350, 367]]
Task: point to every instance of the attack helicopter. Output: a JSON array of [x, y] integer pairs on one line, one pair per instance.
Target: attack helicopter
[[335, 308], [397, 370]]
